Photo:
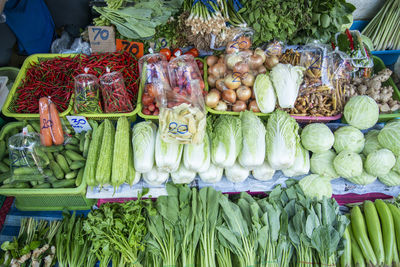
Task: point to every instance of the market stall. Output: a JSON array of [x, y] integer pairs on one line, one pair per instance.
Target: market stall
[[206, 133]]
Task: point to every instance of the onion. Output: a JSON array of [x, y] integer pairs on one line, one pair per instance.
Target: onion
[[243, 93], [232, 47], [261, 53], [271, 62], [229, 96], [212, 60], [262, 69], [232, 59], [232, 81], [244, 42], [241, 67], [253, 106], [221, 59], [218, 70], [220, 84], [246, 53], [211, 80], [253, 95], [222, 106], [213, 98], [239, 106], [248, 80], [255, 61]]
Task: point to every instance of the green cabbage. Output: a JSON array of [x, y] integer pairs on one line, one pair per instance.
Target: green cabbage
[[226, 140], [361, 112], [380, 162], [281, 140], [253, 132], [212, 175], [236, 173], [316, 186], [371, 142], [196, 157], [317, 137], [390, 179], [286, 79], [348, 138], [143, 142], [168, 155], [301, 163], [396, 166], [363, 179], [183, 175], [264, 93], [322, 164], [263, 172], [389, 137], [348, 164]]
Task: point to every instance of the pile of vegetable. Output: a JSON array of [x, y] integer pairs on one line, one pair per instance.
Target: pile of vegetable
[[34, 246], [61, 166], [55, 78], [372, 238]]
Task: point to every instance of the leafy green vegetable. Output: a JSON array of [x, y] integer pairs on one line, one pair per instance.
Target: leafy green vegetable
[[301, 163], [317, 137], [371, 142], [389, 137], [361, 112], [265, 93], [380, 162], [348, 138], [316, 186], [390, 179], [143, 141], [322, 164], [348, 164]]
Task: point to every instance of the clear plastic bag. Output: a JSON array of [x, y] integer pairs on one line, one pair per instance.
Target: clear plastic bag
[[52, 129], [27, 162], [153, 69], [87, 94], [182, 112], [230, 36], [115, 96]]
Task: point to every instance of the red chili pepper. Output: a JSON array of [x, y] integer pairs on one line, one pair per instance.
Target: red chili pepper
[[350, 37]]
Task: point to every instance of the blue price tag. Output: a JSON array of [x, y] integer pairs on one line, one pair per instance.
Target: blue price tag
[[79, 123]]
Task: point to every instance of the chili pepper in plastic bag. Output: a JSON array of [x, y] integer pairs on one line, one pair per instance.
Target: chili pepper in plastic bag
[[87, 95]]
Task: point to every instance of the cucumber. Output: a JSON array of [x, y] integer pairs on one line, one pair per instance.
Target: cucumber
[[72, 147], [374, 230], [71, 175], [53, 148], [2, 148], [48, 172], [7, 161], [67, 183], [345, 259], [396, 218], [40, 153], [63, 163], [69, 161], [81, 142], [73, 141], [42, 186], [33, 183], [79, 177], [77, 165], [4, 167], [4, 176], [28, 178], [35, 125], [387, 229], [89, 174], [9, 128], [50, 155], [26, 171], [73, 155], [88, 137], [58, 172]]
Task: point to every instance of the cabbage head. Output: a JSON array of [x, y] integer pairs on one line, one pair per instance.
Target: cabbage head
[[390, 179], [380, 162], [212, 175], [253, 132], [183, 175], [363, 179], [396, 166], [281, 140], [226, 140], [348, 138], [322, 164], [301, 163], [361, 112], [371, 142], [348, 164], [389, 137], [168, 155], [265, 93], [316, 186], [236, 173], [286, 79], [155, 176], [317, 137], [263, 172], [143, 142], [196, 157]]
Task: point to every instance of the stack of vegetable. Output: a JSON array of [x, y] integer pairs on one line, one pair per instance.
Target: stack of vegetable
[[372, 238], [63, 165], [34, 246]]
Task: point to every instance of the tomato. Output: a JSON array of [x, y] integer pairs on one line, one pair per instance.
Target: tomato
[[177, 52], [147, 100], [166, 52], [194, 52]]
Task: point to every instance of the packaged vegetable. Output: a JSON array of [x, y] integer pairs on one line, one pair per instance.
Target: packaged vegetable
[[51, 128], [87, 94], [115, 96], [182, 113]]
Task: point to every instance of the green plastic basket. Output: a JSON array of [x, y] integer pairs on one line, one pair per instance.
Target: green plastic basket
[[378, 66], [10, 72], [50, 199], [155, 118], [10, 101]]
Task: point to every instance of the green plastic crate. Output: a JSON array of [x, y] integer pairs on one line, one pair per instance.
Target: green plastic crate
[[10, 101], [29, 199], [10, 72]]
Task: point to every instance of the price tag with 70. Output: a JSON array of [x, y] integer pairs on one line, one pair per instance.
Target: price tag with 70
[[79, 123]]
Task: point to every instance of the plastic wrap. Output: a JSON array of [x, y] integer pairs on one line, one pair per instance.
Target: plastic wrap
[[115, 96], [87, 94]]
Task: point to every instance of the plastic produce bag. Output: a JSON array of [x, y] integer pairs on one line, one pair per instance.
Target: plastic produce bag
[[115, 96], [87, 94], [182, 112], [51, 128]]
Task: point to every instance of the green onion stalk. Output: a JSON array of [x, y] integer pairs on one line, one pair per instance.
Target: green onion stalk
[[384, 28]]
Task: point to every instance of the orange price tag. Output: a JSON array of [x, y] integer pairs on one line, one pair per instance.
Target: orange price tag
[[135, 48]]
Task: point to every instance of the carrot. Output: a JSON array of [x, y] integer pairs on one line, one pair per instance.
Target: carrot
[[45, 122], [56, 126]]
